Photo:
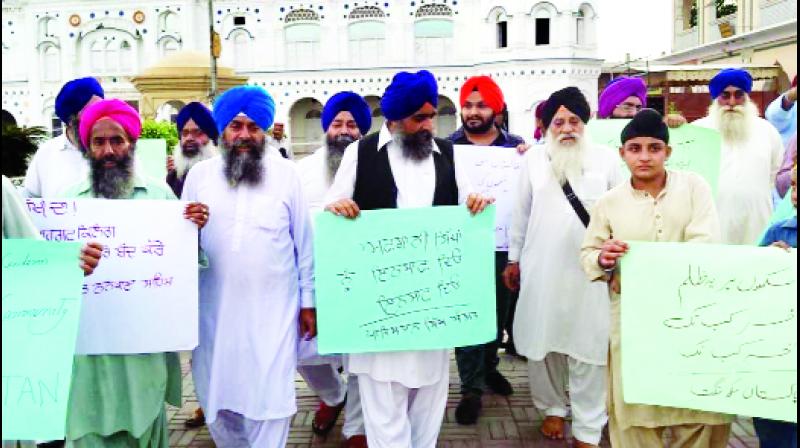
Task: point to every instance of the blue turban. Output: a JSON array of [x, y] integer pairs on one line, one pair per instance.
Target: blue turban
[[74, 96], [350, 102], [252, 101], [730, 77], [201, 116], [407, 93]]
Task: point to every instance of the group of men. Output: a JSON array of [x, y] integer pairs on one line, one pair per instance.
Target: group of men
[[574, 209]]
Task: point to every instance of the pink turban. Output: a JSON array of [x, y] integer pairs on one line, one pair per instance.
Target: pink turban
[[618, 91], [117, 110]]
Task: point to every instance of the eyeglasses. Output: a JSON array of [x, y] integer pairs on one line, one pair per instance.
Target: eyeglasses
[[629, 107], [726, 95]]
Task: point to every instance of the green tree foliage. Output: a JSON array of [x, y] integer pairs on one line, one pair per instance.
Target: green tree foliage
[[18, 146], [161, 129]]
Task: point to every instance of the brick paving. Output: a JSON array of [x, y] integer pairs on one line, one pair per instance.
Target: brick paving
[[505, 423]]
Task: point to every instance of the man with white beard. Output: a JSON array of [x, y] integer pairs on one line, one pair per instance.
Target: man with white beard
[[752, 153], [345, 118], [562, 320], [197, 132]]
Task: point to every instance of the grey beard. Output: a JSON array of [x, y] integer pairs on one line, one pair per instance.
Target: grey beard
[[112, 183], [184, 163], [417, 146], [334, 151], [243, 167]]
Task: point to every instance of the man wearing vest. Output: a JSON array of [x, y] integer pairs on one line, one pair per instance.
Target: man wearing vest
[[403, 394]]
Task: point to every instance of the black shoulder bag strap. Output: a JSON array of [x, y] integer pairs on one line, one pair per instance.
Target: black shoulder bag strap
[[576, 203]]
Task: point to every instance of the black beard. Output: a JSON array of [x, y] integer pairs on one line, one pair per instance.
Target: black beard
[[483, 128], [190, 149], [417, 146], [112, 183], [243, 167], [335, 152]]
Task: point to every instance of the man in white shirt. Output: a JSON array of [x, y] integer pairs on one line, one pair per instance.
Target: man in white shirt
[[280, 142], [752, 154], [403, 394], [60, 163], [562, 319], [260, 280], [345, 118]]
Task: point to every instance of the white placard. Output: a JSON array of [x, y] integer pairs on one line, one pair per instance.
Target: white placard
[[142, 298], [493, 171]]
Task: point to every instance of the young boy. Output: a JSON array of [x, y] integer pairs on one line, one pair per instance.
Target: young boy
[[656, 205], [771, 433]]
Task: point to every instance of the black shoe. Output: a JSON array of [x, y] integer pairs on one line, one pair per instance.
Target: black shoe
[[53, 444], [498, 384], [511, 350], [469, 409]]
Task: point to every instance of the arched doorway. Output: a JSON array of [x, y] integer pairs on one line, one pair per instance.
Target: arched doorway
[[447, 119], [169, 111], [376, 111], [305, 126]]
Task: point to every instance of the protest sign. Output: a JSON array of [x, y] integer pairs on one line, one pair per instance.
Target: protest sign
[[694, 148], [142, 298], [409, 279], [151, 157], [41, 308], [493, 172], [711, 328]]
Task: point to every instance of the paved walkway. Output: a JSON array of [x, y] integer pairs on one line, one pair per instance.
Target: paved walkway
[[506, 422]]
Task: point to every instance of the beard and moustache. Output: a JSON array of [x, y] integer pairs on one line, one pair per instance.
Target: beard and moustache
[[243, 167], [482, 128], [335, 151], [189, 155], [417, 146], [566, 159], [734, 123], [115, 182]]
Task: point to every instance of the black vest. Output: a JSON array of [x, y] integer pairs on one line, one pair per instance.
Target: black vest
[[375, 186]]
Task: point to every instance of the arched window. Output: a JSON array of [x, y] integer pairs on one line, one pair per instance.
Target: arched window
[[125, 57], [97, 56], [366, 12], [543, 15], [51, 66], [169, 46], [500, 19], [46, 28], [302, 41], [433, 34], [584, 25], [167, 22], [241, 49], [367, 40]]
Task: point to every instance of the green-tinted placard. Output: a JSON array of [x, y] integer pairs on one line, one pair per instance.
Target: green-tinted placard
[[408, 279], [151, 155], [711, 328], [41, 308], [694, 148]]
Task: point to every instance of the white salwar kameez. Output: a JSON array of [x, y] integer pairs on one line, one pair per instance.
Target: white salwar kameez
[[562, 319], [419, 376], [321, 373], [746, 181], [259, 244], [56, 166]]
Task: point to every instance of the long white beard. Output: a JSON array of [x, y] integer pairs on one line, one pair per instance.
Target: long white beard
[[735, 126], [566, 160], [183, 164]]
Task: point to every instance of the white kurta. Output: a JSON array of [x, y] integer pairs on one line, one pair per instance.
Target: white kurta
[[56, 166], [746, 181], [416, 183], [259, 244], [313, 171], [559, 309]]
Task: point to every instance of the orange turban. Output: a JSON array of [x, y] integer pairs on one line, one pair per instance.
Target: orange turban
[[489, 90]]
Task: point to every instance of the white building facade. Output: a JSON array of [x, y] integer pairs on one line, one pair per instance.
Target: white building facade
[[304, 52]]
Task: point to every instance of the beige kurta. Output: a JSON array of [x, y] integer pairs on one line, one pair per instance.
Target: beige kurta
[[683, 212]]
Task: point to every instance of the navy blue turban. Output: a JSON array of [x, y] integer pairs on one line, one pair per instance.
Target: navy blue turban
[[407, 93], [252, 101], [730, 77], [74, 96], [201, 116], [350, 102], [646, 123]]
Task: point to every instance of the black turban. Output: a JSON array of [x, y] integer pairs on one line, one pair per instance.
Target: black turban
[[646, 123], [571, 98]]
